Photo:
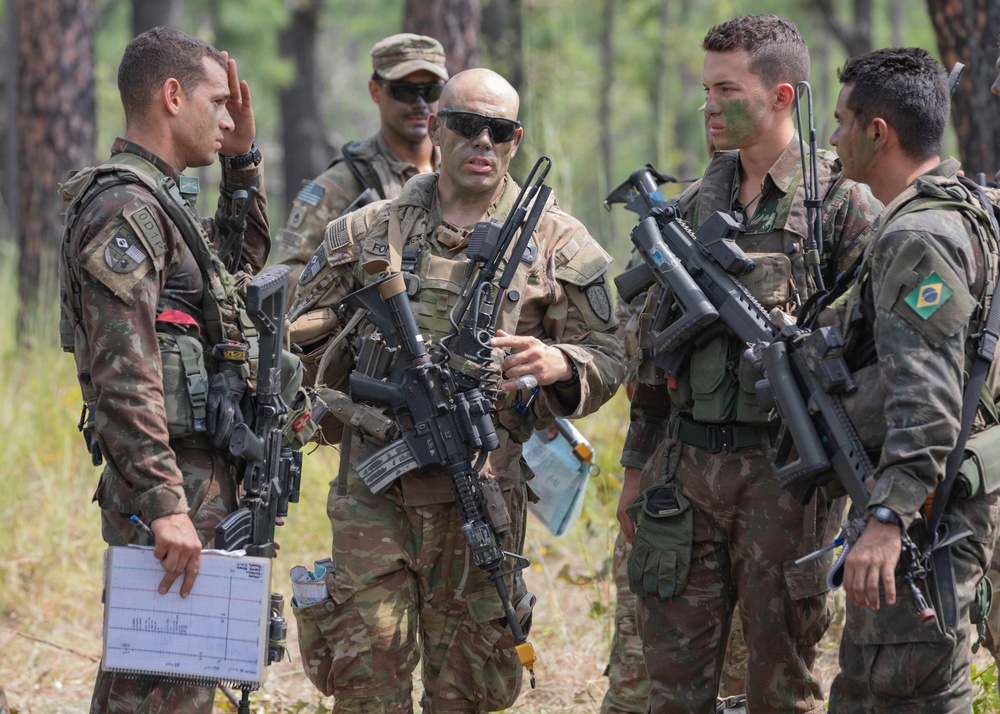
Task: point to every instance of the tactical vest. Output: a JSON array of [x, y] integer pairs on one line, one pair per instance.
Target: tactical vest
[[435, 281], [715, 385], [864, 407], [185, 366]]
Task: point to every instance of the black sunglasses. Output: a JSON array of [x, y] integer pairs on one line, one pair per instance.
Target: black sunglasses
[[470, 125], [407, 92]]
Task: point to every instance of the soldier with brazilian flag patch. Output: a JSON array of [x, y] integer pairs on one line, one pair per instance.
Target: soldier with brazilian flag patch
[[913, 324]]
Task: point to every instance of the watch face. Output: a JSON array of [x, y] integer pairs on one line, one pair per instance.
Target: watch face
[[884, 514]]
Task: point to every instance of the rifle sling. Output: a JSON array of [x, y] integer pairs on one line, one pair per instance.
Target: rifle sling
[[943, 566], [986, 348]]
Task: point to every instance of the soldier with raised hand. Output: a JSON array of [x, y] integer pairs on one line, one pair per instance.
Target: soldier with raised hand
[[401, 583], [712, 529], [145, 300], [912, 325], [408, 75]]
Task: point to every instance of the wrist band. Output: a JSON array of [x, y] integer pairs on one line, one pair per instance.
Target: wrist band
[[573, 380]]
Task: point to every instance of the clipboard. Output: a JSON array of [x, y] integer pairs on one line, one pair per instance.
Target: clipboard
[[217, 634]]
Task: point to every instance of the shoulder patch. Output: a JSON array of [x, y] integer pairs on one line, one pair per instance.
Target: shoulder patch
[[311, 193], [142, 220], [124, 253], [119, 261], [315, 264], [338, 234], [599, 299], [929, 295]]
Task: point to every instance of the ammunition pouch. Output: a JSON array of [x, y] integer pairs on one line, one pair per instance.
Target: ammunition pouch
[[719, 385], [185, 383], [980, 469], [979, 612], [660, 560], [771, 280]]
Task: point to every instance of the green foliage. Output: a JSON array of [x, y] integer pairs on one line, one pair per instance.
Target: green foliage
[[984, 681]]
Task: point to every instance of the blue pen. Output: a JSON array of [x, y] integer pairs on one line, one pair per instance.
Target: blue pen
[[817, 553], [142, 526]]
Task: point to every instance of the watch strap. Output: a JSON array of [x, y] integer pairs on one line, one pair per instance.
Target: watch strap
[[252, 158]]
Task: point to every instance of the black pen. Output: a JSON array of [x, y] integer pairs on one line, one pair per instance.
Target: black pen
[[142, 526]]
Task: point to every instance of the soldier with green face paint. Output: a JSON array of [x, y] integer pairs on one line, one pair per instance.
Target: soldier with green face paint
[[710, 526]]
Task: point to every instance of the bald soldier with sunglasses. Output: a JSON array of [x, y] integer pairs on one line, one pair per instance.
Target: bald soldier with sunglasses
[[408, 75], [402, 586]]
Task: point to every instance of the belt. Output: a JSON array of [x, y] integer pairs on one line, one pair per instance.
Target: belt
[[716, 437]]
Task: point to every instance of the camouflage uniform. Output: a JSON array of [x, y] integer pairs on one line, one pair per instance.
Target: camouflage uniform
[[702, 430], [325, 197], [144, 299], [628, 683], [402, 574], [927, 278]]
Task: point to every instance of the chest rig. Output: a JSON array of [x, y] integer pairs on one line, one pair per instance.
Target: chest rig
[[434, 259], [714, 384], [220, 305]]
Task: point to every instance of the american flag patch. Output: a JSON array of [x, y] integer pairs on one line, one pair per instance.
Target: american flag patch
[[311, 193]]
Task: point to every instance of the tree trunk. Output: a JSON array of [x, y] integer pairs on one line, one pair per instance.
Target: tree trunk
[[306, 152], [8, 129], [456, 24], [967, 32], [502, 28], [55, 127], [856, 34], [146, 15]]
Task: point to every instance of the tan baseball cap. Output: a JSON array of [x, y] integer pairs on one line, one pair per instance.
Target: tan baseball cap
[[400, 55]]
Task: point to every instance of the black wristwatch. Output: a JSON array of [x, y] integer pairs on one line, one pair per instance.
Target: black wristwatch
[[243, 160], [884, 514]]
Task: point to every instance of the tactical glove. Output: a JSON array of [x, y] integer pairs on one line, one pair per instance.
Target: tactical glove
[[225, 396]]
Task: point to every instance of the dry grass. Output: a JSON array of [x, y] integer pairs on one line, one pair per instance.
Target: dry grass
[[50, 611], [50, 581]]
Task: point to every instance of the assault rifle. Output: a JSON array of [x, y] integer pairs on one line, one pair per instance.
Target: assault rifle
[[272, 472], [444, 399], [806, 374]]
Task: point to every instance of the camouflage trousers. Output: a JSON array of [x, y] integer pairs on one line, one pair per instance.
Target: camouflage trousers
[[212, 493], [403, 589], [745, 532], [891, 662], [628, 683], [992, 642]]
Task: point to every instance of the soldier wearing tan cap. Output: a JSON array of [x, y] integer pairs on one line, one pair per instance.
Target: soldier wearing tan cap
[[409, 72]]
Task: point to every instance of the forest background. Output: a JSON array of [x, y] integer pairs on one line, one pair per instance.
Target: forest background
[[606, 86]]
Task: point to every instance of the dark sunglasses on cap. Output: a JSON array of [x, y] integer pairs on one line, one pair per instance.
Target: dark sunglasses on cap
[[407, 92], [470, 125]]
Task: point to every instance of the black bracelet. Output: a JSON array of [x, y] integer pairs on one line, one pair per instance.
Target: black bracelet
[[573, 380], [243, 160]]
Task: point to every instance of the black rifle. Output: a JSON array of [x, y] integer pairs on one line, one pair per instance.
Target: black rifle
[[444, 415], [272, 472], [639, 193], [806, 372]]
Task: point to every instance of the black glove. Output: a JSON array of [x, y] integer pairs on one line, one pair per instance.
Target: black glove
[[225, 395]]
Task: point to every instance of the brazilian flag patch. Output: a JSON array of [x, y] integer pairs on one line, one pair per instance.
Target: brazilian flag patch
[[927, 297]]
